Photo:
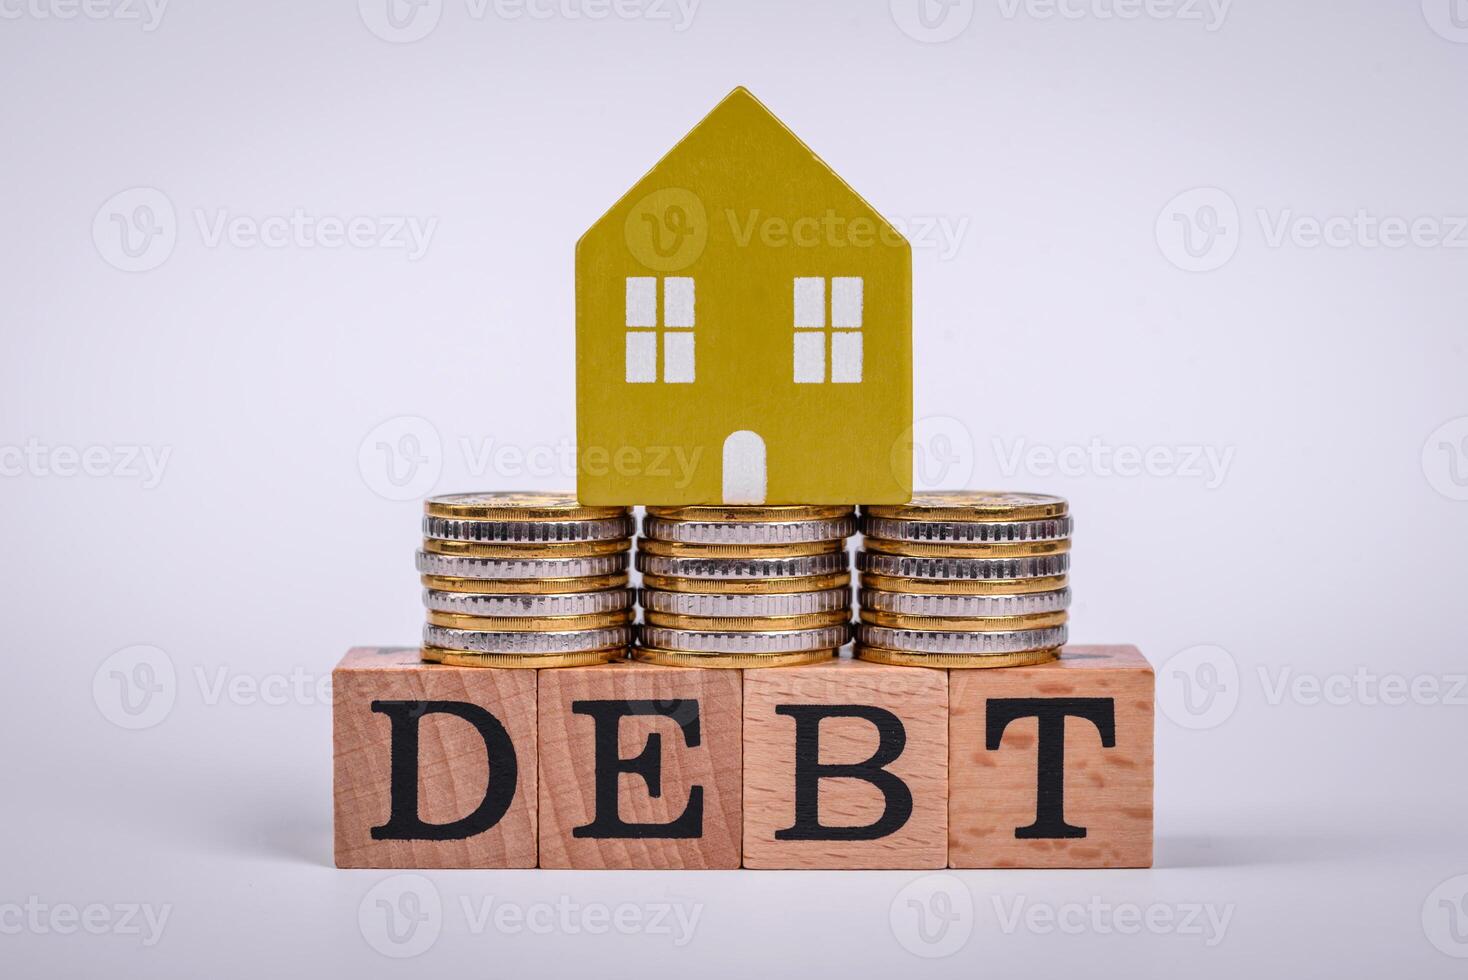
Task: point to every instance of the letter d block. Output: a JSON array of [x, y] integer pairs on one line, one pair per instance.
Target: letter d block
[[434, 766], [1051, 766], [639, 767], [845, 766]]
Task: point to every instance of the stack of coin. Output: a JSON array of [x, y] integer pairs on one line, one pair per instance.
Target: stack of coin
[[525, 580], [744, 587], [964, 579]]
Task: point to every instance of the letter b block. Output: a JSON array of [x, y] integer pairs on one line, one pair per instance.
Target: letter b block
[[846, 766], [1051, 766], [434, 766], [639, 767]]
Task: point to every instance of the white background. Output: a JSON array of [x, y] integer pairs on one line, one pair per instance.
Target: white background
[[1111, 209]]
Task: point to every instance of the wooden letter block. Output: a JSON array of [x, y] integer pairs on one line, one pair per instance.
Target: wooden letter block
[[1051, 766], [435, 766], [846, 766], [639, 767]]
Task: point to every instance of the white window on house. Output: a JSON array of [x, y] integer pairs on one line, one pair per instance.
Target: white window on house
[[828, 322], [652, 327]]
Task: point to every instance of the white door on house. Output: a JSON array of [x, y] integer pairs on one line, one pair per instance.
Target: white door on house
[[744, 468]]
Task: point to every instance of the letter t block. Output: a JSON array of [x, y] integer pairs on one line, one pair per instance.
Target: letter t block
[[1051, 766], [434, 766]]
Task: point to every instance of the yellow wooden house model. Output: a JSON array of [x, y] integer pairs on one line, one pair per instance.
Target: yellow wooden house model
[[743, 330]]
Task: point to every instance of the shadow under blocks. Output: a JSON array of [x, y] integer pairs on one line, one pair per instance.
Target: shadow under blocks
[[836, 765]]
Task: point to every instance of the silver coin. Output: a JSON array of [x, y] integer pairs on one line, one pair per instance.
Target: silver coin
[[459, 566], [965, 606], [776, 641], [966, 532], [567, 641], [934, 641], [554, 604], [968, 569], [748, 532], [777, 604], [528, 532], [745, 568]]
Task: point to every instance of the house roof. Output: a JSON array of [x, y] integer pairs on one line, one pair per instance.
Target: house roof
[[735, 129]]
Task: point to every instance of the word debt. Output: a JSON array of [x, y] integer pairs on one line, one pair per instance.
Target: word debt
[[843, 764]]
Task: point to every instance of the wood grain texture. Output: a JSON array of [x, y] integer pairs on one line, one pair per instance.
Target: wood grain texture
[[666, 706], [917, 697], [452, 759], [1107, 791]]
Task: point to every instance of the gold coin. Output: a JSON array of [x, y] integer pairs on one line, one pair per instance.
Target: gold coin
[[558, 549], [521, 661], [751, 624], [949, 549], [994, 624], [680, 549], [734, 515], [530, 624], [730, 661], [768, 586], [525, 586], [919, 586], [513, 506], [956, 661], [973, 505]]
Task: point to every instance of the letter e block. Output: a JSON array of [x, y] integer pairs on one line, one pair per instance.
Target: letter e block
[[639, 767], [846, 766], [1051, 766], [435, 766]]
